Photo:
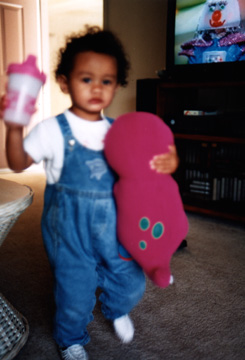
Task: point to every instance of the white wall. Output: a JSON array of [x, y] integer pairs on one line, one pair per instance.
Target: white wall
[[141, 25], [66, 17]]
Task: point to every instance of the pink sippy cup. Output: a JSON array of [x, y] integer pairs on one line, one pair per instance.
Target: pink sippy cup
[[25, 81]]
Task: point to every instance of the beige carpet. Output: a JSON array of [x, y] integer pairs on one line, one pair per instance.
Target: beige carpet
[[201, 317]]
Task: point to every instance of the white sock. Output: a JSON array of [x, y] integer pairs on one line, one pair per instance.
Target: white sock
[[124, 328]]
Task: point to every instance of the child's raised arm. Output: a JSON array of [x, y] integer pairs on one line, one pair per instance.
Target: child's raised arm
[[18, 159]]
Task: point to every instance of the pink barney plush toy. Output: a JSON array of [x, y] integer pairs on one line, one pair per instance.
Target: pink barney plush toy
[[151, 222]]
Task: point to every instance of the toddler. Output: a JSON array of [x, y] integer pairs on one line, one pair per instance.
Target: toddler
[[79, 216]]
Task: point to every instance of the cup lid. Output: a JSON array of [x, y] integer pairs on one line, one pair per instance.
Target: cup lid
[[27, 67]]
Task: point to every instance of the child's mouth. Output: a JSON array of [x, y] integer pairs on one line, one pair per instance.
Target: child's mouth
[[95, 101]]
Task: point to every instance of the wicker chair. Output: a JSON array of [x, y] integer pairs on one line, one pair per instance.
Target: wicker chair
[[14, 328]]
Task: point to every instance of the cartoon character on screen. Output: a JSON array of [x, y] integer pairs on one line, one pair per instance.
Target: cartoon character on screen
[[219, 36], [151, 220]]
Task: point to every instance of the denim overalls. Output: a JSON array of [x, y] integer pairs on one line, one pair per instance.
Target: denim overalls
[[79, 231]]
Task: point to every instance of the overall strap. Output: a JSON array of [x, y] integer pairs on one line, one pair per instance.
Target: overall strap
[[110, 120], [64, 125]]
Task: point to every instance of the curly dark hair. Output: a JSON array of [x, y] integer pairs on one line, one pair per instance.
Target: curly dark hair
[[99, 41]]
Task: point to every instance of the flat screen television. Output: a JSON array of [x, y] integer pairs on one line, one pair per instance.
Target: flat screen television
[[205, 40]]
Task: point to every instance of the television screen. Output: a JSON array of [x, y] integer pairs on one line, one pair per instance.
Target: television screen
[[206, 32]]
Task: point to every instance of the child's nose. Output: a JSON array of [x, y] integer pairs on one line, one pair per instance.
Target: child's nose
[[97, 87]]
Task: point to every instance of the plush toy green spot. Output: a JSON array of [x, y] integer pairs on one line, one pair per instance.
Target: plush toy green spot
[[144, 223], [142, 245], [157, 230]]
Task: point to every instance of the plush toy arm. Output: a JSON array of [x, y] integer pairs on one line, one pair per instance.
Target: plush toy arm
[[166, 163]]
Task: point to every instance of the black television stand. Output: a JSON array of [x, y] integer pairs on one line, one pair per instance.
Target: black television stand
[[208, 122]]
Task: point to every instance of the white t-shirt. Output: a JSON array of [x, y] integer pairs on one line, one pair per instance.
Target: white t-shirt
[[45, 141]]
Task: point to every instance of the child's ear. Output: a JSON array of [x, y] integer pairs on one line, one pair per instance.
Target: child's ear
[[63, 83]]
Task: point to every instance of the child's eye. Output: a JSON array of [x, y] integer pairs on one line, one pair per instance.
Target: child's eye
[[87, 80], [106, 82]]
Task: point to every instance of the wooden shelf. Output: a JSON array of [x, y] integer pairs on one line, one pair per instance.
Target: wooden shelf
[[210, 212], [196, 84], [210, 138], [211, 175]]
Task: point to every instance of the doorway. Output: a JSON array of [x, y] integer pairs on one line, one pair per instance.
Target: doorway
[[66, 17]]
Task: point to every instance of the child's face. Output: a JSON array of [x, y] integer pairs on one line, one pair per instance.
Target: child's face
[[91, 84]]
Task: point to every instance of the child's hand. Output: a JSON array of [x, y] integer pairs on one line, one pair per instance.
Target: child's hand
[[3, 105], [166, 163]]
